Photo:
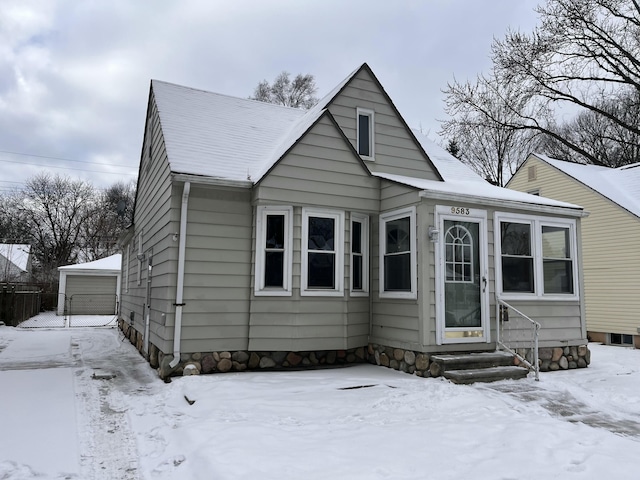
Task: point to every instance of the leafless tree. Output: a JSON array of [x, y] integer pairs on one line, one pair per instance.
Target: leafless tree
[[483, 125], [612, 144], [65, 221], [54, 209], [113, 213], [582, 58], [296, 93]]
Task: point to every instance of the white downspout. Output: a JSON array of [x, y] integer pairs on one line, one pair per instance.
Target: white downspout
[[180, 286]]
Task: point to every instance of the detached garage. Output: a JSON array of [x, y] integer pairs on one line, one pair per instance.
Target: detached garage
[[91, 288]]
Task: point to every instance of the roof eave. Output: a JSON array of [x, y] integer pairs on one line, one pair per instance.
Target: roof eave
[[494, 202], [212, 181]]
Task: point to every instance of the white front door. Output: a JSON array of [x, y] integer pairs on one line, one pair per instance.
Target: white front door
[[462, 293]]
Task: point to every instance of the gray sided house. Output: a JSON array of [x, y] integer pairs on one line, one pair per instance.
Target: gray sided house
[[266, 236]]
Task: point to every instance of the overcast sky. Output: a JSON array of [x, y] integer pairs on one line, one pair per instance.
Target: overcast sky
[[74, 75]]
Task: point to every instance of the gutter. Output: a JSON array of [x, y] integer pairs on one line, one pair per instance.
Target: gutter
[[180, 284]]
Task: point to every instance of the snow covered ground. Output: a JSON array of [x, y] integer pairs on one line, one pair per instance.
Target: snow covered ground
[[82, 404]]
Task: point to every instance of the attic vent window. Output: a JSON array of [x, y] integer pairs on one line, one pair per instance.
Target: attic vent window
[[365, 133], [533, 174]]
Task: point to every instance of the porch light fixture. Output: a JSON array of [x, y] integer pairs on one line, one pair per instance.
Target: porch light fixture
[[433, 233]]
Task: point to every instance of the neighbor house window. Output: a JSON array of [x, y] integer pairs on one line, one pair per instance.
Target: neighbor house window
[[359, 254], [537, 255], [620, 339], [398, 254], [322, 266], [365, 133], [274, 236]]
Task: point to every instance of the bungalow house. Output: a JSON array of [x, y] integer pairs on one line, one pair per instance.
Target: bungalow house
[[15, 263], [611, 269], [267, 236]]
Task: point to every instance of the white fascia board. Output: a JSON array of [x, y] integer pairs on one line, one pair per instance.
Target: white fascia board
[[476, 200]]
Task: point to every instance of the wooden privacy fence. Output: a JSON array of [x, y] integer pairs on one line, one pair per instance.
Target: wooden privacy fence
[[19, 303]]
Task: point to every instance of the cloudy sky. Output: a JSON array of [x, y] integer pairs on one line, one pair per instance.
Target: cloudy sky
[[74, 75]]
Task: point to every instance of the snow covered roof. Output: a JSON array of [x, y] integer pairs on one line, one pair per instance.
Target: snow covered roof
[[450, 168], [111, 264], [217, 135], [460, 180], [620, 185], [229, 138], [236, 139], [16, 253]]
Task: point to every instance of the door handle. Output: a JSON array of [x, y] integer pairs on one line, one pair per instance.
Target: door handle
[[484, 284]]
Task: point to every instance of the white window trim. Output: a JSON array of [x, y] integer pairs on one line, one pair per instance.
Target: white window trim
[[536, 250], [371, 114], [390, 216], [364, 238], [261, 232], [338, 216]]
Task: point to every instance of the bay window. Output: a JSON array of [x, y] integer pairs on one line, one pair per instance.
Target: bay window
[[359, 254], [322, 252], [274, 235]]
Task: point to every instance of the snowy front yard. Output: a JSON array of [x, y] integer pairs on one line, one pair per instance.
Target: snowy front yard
[[83, 404]]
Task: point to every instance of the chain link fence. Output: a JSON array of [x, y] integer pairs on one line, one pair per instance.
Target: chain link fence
[[92, 310], [29, 307]]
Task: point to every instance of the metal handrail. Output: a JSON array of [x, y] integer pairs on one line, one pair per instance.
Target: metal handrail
[[534, 366]]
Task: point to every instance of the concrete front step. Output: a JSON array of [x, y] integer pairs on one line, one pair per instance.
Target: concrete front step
[[490, 374], [467, 361]]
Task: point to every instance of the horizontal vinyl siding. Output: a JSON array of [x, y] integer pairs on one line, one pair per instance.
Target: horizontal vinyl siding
[[395, 150], [321, 171], [395, 322], [560, 323], [611, 263], [155, 217], [217, 270]]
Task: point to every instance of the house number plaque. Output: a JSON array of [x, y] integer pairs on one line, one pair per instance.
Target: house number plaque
[[460, 211]]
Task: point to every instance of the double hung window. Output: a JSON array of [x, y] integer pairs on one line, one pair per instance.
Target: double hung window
[[537, 256], [359, 254], [322, 252], [274, 235], [398, 254]]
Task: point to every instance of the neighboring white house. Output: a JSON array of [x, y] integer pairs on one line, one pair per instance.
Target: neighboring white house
[[91, 288], [15, 262]]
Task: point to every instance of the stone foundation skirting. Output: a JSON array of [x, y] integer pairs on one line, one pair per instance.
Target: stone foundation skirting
[[407, 361], [238, 361]]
